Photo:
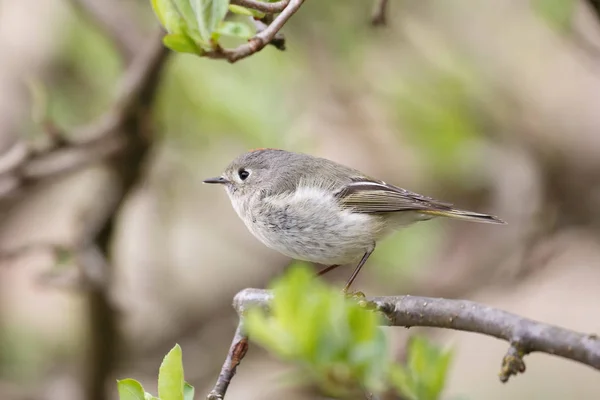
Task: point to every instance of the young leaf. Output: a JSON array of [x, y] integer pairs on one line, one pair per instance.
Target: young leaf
[[188, 391], [209, 14], [130, 389], [169, 17], [439, 374], [170, 376], [403, 382], [428, 365], [187, 13], [158, 6], [245, 11], [181, 43], [236, 29]]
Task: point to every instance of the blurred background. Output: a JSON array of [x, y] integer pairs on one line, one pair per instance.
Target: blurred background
[[493, 106]]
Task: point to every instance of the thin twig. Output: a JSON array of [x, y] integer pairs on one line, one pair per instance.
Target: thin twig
[[278, 40], [270, 8], [379, 15], [261, 39], [524, 335], [237, 351]]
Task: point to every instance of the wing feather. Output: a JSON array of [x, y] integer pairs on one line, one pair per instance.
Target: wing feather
[[364, 196]]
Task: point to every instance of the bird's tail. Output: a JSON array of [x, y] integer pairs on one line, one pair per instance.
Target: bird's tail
[[465, 215]]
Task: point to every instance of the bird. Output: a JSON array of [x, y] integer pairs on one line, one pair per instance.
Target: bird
[[313, 209]]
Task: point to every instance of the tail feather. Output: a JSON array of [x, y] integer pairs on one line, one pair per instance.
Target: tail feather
[[465, 215]]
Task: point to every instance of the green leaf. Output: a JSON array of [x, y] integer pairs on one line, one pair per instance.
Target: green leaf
[[148, 396], [187, 13], [209, 15], [170, 376], [168, 15], [338, 343], [439, 374], [403, 383], [557, 13], [130, 389], [235, 29], [245, 11], [181, 43], [428, 364], [188, 391], [159, 8]]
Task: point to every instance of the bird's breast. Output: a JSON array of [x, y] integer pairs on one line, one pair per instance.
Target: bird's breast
[[309, 225]]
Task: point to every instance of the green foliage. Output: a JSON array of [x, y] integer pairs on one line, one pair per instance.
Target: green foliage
[[180, 43], [171, 383], [195, 26], [245, 11], [338, 343], [235, 29], [209, 14], [557, 13], [424, 376], [130, 389], [170, 376]]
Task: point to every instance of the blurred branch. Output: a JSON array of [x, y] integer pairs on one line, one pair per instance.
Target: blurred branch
[[262, 38], [119, 136], [595, 6], [111, 17], [89, 143], [379, 15], [524, 335], [270, 8], [129, 118], [7, 255]]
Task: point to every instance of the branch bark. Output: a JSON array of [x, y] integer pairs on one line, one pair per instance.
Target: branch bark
[[379, 15], [237, 351], [262, 38], [270, 8], [524, 335]]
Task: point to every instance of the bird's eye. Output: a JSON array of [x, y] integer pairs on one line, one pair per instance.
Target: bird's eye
[[243, 174]]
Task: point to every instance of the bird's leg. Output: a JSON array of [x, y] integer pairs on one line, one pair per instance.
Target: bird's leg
[[327, 269], [355, 274]]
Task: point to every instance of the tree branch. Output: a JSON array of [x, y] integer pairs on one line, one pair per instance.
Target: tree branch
[[524, 335], [89, 143], [595, 6], [237, 351], [378, 17], [261, 39], [270, 8]]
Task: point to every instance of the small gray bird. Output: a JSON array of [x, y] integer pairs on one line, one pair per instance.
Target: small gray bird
[[314, 209]]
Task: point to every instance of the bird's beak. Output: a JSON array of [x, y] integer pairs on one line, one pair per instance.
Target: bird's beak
[[219, 180]]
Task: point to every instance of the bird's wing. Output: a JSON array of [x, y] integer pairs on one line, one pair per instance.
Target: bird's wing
[[371, 196]]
